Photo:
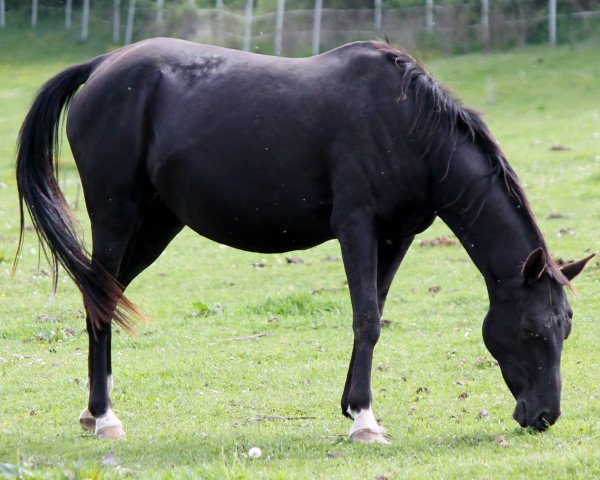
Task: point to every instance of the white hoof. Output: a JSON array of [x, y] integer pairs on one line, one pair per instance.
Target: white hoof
[[368, 436], [87, 420], [109, 426], [365, 428]]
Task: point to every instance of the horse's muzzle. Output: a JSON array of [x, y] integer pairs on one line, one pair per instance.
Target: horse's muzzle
[[538, 419]]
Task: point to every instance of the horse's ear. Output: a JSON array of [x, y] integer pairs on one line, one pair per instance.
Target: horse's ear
[[571, 270], [535, 266]]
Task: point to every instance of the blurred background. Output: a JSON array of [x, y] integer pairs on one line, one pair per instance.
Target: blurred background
[[304, 27]]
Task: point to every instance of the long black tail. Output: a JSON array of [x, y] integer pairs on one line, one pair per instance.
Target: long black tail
[[36, 170]]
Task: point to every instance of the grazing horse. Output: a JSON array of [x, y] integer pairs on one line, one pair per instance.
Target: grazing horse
[[273, 154]]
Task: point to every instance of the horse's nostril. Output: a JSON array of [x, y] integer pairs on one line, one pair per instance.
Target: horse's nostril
[[544, 419], [539, 421]]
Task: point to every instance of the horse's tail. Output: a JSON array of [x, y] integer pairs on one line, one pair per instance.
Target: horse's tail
[[36, 169]]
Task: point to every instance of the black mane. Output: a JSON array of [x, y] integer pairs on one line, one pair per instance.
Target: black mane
[[442, 118]]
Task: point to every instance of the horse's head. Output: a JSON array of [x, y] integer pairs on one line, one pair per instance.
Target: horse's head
[[528, 321]]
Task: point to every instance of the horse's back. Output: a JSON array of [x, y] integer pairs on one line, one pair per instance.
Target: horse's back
[[241, 147]]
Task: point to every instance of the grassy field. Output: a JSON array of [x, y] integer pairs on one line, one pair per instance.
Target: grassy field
[[194, 396]]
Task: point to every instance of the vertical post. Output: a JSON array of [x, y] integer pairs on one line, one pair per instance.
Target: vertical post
[[68, 14], [219, 8], [552, 22], [2, 10], [429, 15], [248, 24], [116, 21], [377, 19], [316, 40], [85, 19], [34, 13], [130, 18], [279, 26], [159, 11], [485, 24]]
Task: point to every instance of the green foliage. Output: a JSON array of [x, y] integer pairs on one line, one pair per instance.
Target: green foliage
[[295, 304], [196, 393], [200, 309]]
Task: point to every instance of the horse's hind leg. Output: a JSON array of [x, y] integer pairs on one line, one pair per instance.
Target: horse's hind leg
[[113, 211], [153, 228], [156, 228]]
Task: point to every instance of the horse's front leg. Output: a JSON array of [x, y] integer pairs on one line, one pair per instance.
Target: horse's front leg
[[359, 250], [389, 257], [99, 417]]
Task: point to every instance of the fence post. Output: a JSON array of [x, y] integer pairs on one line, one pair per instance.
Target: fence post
[[429, 15], [248, 24], [377, 19], [279, 26], [85, 19], [116, 21], [485, 24], [219, 8], [68, 14], [316, 40], [2, 10], [129, 26], [159, 11], [34, 13], [552, 22]]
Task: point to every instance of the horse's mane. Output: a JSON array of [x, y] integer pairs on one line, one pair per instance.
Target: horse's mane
[[440, 118]]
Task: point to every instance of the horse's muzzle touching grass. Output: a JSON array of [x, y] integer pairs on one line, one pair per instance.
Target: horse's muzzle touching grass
[[539, 420]]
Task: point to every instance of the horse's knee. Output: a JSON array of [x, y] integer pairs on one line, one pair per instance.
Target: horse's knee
[[367, 328]]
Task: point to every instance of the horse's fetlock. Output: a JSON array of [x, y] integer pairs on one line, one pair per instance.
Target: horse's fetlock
[[98, 408]]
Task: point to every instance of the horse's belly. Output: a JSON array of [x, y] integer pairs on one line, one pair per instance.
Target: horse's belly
[[261, 228], [243, 206], [264, 238]]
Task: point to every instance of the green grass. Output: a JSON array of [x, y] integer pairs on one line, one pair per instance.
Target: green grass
[[191, 392]]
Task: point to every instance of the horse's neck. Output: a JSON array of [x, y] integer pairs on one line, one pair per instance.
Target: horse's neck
[[496, 230]]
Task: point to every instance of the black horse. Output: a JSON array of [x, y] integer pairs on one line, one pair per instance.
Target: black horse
[[273, 154]]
